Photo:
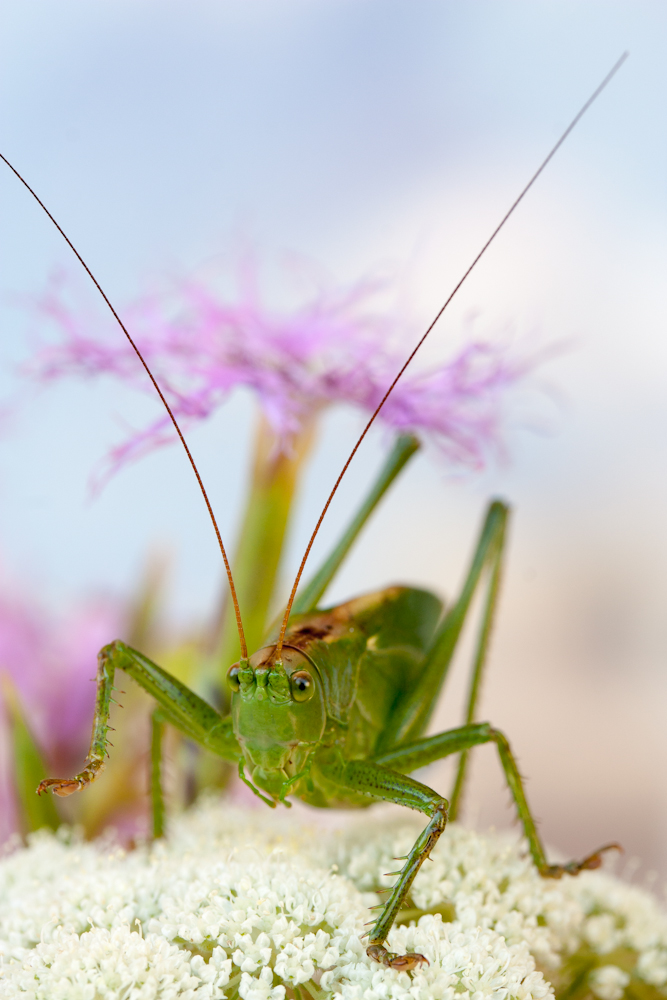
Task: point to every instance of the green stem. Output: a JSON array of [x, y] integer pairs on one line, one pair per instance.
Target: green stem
[[274, 479], [156, 791], [307, 598]]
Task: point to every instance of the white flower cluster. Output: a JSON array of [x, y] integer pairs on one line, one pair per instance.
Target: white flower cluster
[[233, 906], [594, 928]]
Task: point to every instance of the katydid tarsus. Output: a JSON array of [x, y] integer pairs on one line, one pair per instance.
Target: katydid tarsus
[[334, 708]]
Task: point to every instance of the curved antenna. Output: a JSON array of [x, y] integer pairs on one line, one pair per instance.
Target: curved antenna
[[596, 93], [237, 612]]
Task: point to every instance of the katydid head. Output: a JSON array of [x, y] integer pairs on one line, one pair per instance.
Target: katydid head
[[278, 713]]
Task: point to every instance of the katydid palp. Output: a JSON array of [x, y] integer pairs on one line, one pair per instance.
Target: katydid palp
[[334, 708]]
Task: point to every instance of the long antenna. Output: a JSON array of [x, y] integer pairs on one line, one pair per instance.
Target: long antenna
[[237, 612], [596, 93]]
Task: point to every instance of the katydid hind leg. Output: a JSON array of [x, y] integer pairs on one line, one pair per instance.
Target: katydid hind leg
[[426, 751], [179, 706], [412, 715], [480, 657]]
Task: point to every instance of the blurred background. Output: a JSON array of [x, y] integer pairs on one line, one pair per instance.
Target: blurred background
[[358, 133]]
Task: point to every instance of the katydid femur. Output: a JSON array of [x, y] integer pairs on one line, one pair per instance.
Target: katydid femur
[[334, 708]]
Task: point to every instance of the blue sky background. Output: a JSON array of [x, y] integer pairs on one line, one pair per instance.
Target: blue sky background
[[359, 132]]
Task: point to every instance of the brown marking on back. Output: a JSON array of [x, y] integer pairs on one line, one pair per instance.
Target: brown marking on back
[[303, 635], [332, 624]]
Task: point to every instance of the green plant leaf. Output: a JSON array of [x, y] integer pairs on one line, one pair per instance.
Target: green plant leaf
[[36, 811]]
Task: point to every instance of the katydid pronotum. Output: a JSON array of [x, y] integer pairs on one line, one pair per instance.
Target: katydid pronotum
[[334, 708]]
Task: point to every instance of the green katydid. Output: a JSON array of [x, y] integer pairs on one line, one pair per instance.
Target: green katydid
[[334, 708]]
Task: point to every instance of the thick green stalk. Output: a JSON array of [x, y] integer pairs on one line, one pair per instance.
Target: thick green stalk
[[274, 478]]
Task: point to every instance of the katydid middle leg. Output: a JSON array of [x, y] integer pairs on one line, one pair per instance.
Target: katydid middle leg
[[418, 754]]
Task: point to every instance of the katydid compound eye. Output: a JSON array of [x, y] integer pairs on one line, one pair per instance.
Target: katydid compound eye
[[302, 685], [233, 677]]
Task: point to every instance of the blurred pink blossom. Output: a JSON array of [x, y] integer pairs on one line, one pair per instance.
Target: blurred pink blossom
[[51, 663], [340, 346]]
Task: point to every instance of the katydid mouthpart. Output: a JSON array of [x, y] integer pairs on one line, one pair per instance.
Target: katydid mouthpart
[[334, 708]]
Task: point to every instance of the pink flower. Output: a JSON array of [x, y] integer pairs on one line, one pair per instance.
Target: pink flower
[[339, 346], [51, 664]]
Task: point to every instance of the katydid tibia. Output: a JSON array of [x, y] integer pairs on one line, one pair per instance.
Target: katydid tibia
[[334, 708]]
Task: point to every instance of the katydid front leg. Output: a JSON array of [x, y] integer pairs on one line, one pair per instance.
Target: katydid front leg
[[369, 778], [178, 705]]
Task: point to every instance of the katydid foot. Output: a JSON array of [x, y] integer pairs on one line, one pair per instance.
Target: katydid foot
[[61, 786], [67, 786], [401, 963], [589, 863]]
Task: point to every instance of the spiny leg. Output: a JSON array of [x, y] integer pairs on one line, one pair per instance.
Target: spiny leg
[[97, 754], [369, 778], [179, 706], [515, 783], [411, 756]]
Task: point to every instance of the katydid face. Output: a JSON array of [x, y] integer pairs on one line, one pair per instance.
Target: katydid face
[[278, 714]]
